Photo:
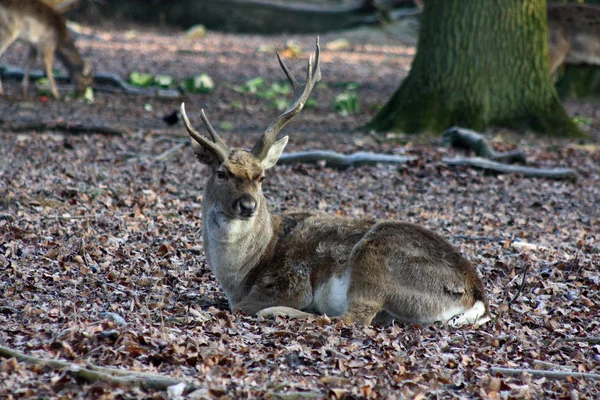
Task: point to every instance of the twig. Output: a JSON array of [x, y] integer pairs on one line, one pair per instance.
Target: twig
[[166, 155], [589, 339], [546, 364], [64, 127], [537, 373], [92, 373], [482, 163], [521, 286], [339, 160], [479, 238]]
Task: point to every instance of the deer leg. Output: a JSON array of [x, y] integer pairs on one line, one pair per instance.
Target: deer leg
[[48, 59], [283, 311], [33, 52], [6, 39]]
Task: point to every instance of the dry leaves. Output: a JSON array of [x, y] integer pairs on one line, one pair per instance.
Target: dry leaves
[[101, 260]]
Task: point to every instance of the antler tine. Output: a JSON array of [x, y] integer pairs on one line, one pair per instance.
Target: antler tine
[[217, 145], [301, 95]]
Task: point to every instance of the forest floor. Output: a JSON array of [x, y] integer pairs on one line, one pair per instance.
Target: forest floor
[[101, 257]]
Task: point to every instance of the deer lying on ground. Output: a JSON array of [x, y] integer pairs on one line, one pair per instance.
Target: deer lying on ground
[[301, 263], [573, 35], [44, 29]]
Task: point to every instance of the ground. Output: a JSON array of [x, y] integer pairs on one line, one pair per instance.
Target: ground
[[101, 256]]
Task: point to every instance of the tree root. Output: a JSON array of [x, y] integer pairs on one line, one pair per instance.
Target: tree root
[[64, 127], [536, 373], [91, 373], [470, 140]]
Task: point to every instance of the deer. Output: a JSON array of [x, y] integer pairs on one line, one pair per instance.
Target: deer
[[303, 263], [43, 28], [573, 35]]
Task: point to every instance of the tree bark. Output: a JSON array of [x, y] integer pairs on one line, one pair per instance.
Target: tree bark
[[479, 63]]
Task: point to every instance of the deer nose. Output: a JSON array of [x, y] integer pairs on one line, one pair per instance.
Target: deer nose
[[245, 205]]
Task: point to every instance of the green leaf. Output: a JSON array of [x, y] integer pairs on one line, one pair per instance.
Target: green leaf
[[88, 95], [311, 103], [201, 83], [42, 86], [164, 81], [280, 104], [226, 126], [346, 103], [254, 84], [140, 79]]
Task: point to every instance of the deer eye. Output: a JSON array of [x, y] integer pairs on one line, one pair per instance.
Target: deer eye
[[221, 175], [261, 179]]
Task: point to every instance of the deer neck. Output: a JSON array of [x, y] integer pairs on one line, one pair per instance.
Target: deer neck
[[234, 247]]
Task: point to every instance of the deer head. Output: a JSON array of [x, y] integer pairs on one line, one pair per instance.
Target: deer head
[[234, 187]]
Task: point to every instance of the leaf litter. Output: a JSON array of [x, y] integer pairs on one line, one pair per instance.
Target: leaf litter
[[101, 256]]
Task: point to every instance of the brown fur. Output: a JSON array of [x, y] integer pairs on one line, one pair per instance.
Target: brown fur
[[44, 29], [397, 271], [573, 35]]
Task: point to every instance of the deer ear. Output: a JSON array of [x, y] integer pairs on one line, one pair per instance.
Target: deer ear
[[204, 155], [274, 153]]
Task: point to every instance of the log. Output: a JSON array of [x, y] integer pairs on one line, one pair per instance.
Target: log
[[537, 373], [63, 127], [257, 16], [92, 373]]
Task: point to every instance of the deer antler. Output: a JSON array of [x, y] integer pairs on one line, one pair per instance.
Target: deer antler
[[301, 94], [217, 145]]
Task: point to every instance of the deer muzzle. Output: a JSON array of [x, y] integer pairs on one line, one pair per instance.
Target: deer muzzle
[[245, 206]]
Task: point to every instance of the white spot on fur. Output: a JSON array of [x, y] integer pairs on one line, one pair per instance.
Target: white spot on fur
[[474, 315], [331, 297]]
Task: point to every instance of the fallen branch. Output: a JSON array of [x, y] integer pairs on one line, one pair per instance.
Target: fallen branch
[[479, 238], [91, 373], [333, 159], [470, 140], [590, 339], [62, 126], [537, 373], [488, 165], [545, 364], [119, 85]]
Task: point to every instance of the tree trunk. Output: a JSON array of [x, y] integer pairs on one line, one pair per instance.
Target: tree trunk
[[479, 63]]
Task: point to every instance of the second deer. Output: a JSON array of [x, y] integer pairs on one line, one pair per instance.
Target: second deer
[[573, 35], [302, 263], [44, 29]]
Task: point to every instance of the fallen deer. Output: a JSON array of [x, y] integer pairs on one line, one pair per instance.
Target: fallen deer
[[44, 29], [301, 263]]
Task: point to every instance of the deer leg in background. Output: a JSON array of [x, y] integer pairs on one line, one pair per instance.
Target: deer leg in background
[[33, 52], [48, 59], [6, 39]]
